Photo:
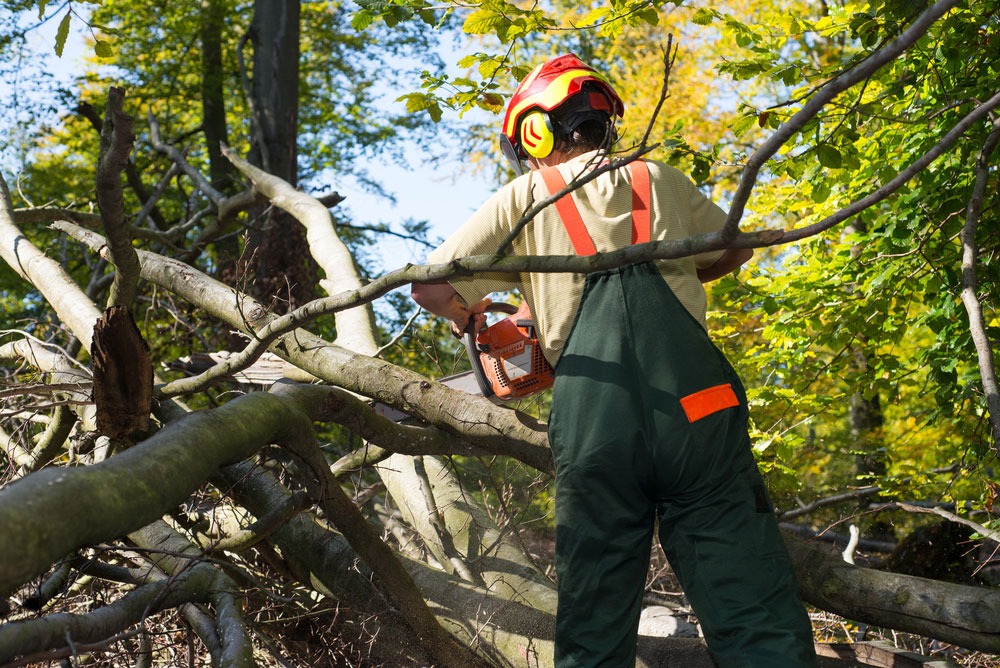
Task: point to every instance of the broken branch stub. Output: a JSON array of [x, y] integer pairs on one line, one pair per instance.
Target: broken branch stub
[[123, 375]]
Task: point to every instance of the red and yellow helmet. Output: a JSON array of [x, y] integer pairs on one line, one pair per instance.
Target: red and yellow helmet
[[547, 87]]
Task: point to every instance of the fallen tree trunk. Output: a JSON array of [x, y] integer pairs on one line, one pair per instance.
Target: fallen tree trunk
[[501, 431], [43, 516], [959, 614]]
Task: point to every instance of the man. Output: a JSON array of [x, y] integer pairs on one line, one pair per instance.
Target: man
[[648, 418]]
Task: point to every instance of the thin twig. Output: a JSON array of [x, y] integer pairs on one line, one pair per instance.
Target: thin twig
[[399, 334]]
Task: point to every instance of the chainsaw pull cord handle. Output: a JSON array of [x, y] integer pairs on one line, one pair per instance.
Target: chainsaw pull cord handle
[[472, 348]]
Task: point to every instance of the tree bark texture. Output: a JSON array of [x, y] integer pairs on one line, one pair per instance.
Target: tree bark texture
[[963, 615], [123, 375], [131, 489]]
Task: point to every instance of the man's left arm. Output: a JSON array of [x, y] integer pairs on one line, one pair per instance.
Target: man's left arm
[[729, 262], [443, 300]]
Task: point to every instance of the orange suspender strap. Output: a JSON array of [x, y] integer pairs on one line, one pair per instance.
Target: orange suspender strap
[[583, 244], [640, 201], [569, 213]]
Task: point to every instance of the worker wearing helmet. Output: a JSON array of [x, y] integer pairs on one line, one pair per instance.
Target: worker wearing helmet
[[648, 418]]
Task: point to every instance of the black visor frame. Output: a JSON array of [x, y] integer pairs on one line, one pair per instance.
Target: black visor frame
[[510, 153]]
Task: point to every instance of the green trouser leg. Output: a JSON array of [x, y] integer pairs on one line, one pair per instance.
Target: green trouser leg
[[626, 451]]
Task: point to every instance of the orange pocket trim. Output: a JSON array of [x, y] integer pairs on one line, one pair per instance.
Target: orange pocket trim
[[698, 405]]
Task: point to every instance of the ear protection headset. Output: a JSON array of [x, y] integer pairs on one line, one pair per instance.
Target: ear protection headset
[[537, 134]]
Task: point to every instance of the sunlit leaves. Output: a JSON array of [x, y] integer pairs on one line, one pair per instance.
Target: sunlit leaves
[[62, 33]]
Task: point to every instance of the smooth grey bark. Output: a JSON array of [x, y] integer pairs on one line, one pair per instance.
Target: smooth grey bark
[[965, 616], [977, 323], [130, 489]]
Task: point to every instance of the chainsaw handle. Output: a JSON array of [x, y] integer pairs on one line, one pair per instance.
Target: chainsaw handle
[[485, 387], [472, 350]]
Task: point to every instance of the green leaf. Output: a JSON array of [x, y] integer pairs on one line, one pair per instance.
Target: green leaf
[[62, 33], [422, 102], [702, 17], [41, 9], [700, 170], [828, 156], [483, 21], [362, 20], [103, 49], [820, 192], [743, 123]]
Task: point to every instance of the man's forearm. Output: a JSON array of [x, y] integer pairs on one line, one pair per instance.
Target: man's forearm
[[730, 261], [440, 299]]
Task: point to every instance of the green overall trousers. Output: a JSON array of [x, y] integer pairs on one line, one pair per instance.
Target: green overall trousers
[[649, 420]]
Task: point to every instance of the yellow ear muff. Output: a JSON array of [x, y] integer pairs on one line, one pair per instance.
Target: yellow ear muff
[[537, 138]]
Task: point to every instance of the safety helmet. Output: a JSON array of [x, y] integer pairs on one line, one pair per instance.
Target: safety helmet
[[562, 83]]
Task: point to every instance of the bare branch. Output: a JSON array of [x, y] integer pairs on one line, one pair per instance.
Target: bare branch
[[117, 139], [157, 193], [977, 324], [989, 534], [864, 492], [355, 326], [399, 334], [918, 165], [70, 303], [87, 110], [45, 633], [437, 522], [216, 197], [864, 70]]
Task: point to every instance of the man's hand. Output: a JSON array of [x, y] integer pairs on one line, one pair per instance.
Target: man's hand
[[441, 299], [476, 313]]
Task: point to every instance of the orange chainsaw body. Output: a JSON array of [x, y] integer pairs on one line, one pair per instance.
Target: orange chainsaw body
[[506, 357]]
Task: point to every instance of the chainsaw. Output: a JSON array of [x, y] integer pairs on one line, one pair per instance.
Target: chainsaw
[[506, 358]]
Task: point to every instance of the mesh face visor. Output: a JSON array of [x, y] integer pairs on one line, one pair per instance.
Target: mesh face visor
[[510, 153]]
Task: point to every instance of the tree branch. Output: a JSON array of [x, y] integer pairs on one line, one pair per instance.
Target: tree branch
[[325, 489], [355, 326], [45, 633], [880, 58], [70, 304], [87, 110], [200, 182], [918, 165], [116, 144], [977, 324]]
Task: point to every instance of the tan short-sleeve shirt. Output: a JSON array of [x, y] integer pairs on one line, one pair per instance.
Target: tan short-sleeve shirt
[[678, 210]]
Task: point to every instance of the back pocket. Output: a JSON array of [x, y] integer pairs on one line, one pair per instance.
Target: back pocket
[[708, 401]]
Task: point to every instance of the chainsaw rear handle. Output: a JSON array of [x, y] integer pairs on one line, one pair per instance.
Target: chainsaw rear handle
[[472, 349]]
